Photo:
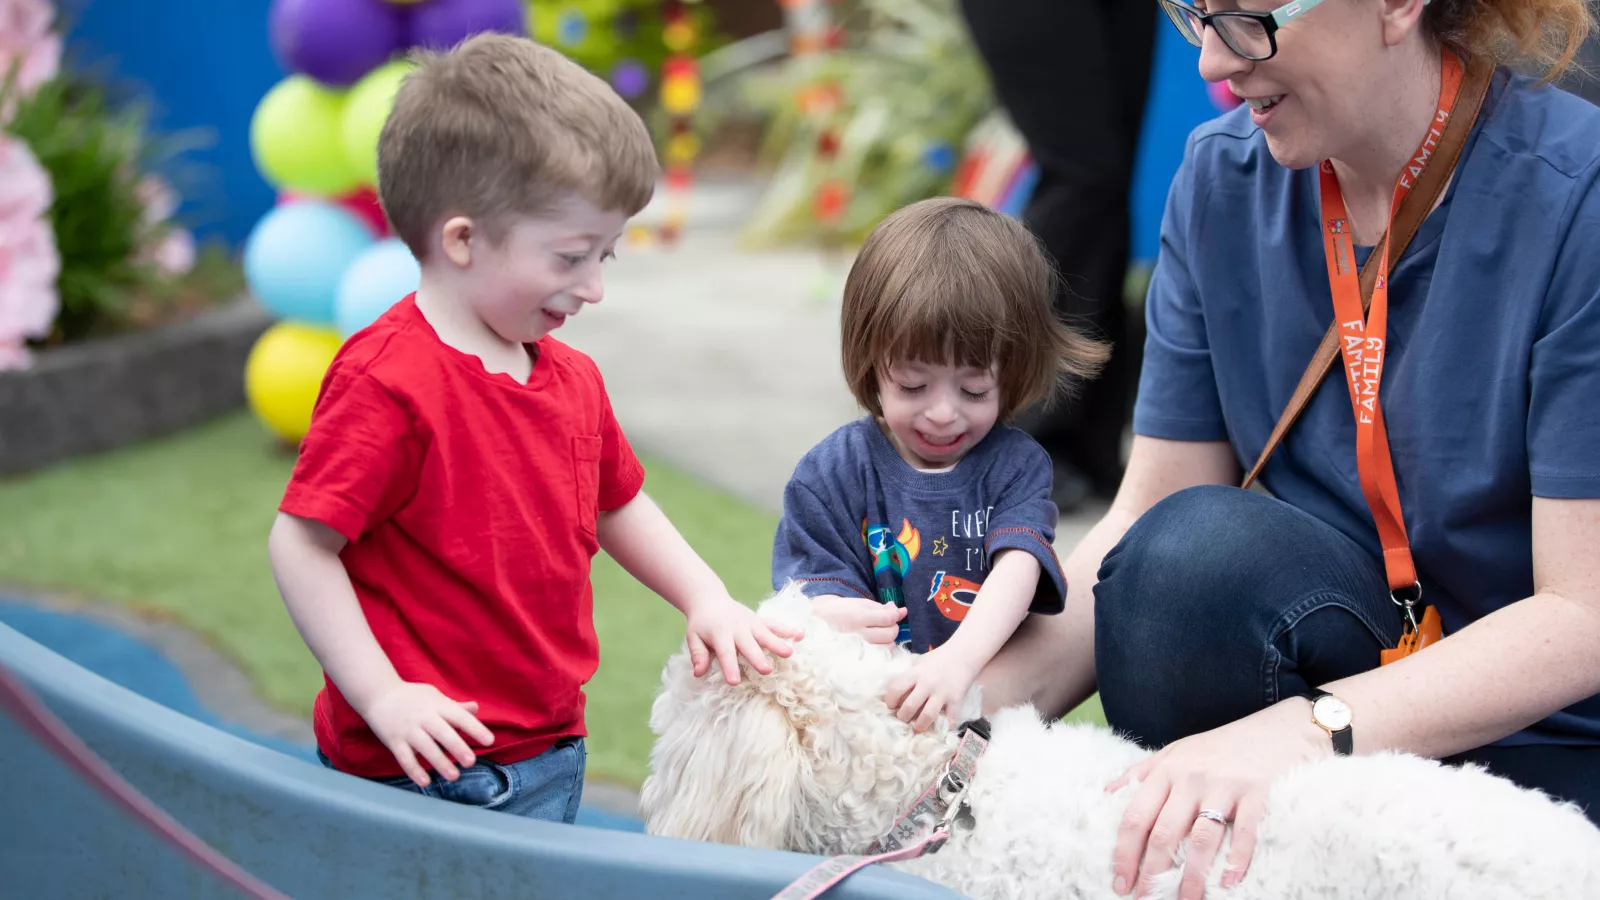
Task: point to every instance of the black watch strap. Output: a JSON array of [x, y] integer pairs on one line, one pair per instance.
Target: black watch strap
[[1344, 742]]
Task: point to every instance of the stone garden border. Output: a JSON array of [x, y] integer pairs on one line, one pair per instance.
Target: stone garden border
[[110, 392]]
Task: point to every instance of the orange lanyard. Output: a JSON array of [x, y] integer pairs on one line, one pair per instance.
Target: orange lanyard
[[1362, 338]]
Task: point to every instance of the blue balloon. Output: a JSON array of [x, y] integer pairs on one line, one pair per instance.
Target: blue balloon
[[297, 253], [381, 277]]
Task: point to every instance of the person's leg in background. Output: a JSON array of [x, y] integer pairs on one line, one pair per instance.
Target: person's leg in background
[[1073, 75]]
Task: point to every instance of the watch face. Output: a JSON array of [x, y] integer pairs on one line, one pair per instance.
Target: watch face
[[1332, 712]]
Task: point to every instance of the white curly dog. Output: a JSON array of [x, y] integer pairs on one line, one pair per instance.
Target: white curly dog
[[809, 759]]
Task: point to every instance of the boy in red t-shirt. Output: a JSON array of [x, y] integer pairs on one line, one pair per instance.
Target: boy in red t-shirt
[[463, 467]]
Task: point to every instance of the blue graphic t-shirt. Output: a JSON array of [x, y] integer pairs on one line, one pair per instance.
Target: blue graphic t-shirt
[[859, 521]]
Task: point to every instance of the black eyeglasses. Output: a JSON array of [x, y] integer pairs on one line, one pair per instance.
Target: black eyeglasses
[[1252, 35]]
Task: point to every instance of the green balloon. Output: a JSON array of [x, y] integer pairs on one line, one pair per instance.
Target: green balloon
[[294, 138], [365, 111]]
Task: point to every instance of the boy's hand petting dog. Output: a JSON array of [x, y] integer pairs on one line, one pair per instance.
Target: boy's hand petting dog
[[415, 719], [935, 685], [878, 622], [727, 629]]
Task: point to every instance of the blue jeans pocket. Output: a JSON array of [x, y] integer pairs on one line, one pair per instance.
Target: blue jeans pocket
[[548, 786], [486, 785]]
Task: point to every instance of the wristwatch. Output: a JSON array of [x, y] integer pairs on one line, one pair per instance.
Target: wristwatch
[[1333, 716]]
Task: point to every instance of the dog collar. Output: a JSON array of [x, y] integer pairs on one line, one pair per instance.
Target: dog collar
[[942, 802]]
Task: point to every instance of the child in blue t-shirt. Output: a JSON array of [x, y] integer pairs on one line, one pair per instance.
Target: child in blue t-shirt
[[928, 523]]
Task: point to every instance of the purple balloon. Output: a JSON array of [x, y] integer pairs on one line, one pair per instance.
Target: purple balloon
[[334, 41], [441, 24]]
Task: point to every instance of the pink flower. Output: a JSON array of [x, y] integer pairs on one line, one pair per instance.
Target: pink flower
[[26, 43], [170, 248], [175, 254], [29, 262], [159, 199]]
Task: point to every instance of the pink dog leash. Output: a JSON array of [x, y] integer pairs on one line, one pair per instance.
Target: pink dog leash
[[944, 800], [54, 736], [835, 869]]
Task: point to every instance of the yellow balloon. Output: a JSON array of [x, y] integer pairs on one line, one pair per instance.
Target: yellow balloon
[[283, 374], [367, 108], [294, 138]]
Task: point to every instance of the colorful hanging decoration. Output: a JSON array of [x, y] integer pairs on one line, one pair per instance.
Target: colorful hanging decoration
[[680, 97]]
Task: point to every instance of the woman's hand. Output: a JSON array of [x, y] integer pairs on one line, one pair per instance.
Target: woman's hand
[[1227, 769]]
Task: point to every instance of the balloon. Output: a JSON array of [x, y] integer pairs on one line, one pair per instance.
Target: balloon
[[297, 253], [441, 24], [365, 110], [363, 203], [283, 375], [1223, 96], [334, 41], [378, 279], [294, 139]]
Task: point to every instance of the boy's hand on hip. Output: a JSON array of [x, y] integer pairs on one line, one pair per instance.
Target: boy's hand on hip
[[878, 622], [727, 629], [414, 719]]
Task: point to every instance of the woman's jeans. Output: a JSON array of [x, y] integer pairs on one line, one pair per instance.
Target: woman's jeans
[[548, 786], [1220, 602]]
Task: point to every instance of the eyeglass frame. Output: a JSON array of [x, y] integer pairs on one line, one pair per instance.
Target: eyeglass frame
[[1270, 22]]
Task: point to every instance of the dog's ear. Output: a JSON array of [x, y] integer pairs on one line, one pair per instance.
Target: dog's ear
[[726, 766]]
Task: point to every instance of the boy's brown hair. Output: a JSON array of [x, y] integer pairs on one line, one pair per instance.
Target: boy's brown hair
[[500, 127], [948, 280]]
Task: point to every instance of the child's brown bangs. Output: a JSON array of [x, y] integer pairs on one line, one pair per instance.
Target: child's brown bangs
[[944, 315]]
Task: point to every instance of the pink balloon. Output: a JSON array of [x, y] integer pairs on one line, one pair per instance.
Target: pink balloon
[[1221, 95]]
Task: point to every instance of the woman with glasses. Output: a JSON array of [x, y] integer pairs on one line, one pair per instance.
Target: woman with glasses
[[1401, 203]]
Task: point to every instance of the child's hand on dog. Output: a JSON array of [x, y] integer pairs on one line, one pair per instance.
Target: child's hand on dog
[[878, 622], [415, 719], [727, 629], [935, 685]]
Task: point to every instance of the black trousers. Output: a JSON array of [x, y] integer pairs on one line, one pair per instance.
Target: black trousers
[[1072, 75]]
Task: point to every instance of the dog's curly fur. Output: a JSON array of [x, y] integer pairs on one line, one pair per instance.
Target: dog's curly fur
[[809, 759]]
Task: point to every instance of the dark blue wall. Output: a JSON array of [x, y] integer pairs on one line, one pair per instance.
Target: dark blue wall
[[199, 64], [1177, 103]]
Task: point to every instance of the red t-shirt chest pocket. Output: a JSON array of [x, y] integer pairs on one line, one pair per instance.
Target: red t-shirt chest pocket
[[586, 452]]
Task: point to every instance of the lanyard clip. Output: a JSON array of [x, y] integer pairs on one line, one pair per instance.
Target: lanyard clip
[[1406, 599]]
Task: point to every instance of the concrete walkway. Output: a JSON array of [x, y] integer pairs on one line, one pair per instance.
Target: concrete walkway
[[726, 362]]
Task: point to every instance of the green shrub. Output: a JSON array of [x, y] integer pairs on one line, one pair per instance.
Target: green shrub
[[96, 154]]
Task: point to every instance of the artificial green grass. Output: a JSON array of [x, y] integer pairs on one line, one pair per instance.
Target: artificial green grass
[[178, 528]]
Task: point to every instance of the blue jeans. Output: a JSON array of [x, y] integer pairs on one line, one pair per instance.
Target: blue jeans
[[1219, 602], [548, 786]]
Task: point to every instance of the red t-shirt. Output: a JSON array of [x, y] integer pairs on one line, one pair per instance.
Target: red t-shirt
[[469, 502]]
